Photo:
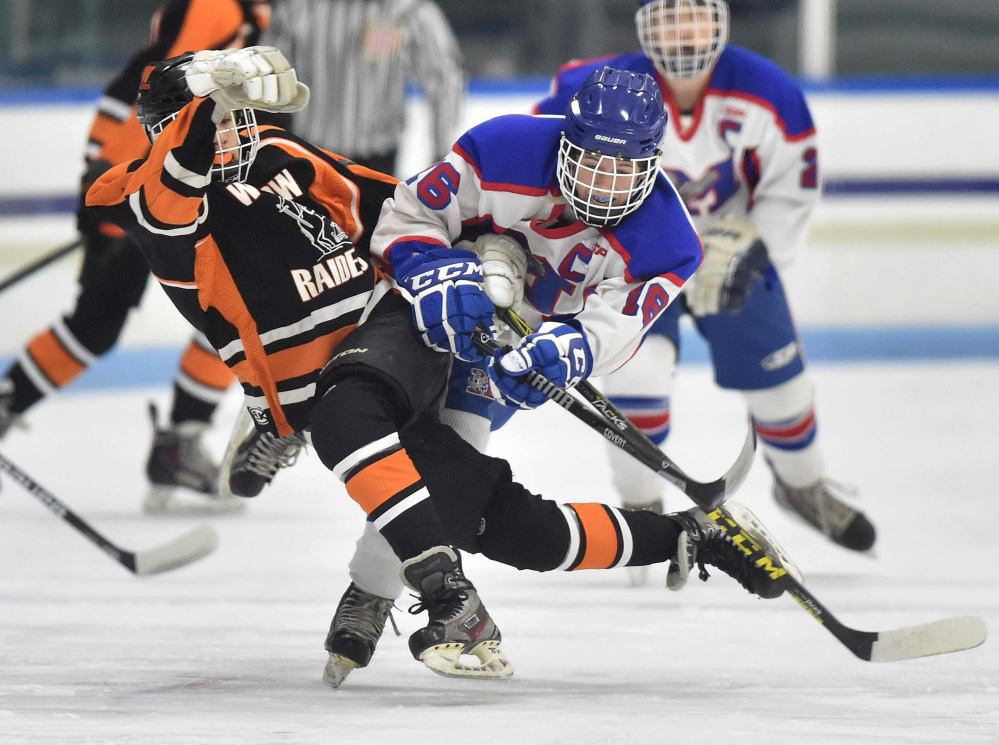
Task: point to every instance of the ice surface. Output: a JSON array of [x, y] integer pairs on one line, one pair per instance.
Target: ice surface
[[229, 650]]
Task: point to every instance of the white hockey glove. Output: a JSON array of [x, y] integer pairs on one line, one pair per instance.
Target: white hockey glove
[[254, 77], [504, 266], [733, 255]]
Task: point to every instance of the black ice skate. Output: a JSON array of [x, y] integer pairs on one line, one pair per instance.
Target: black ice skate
[[8, 418], [705, 542], [821, 508], [253, 458], [182, 478], [354, 633], [459, 622], [639, 575]]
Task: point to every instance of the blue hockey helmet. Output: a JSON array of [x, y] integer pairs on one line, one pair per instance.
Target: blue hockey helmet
[[609, 153], [617, 112]]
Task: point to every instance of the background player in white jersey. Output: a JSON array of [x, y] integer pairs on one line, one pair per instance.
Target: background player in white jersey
[[578, 197], [741, 150]]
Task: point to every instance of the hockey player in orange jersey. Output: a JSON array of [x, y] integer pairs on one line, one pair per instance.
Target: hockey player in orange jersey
[[114, 274]]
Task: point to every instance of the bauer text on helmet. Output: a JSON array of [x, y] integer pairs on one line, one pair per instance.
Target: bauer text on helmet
[[609, 153], [683, 37]]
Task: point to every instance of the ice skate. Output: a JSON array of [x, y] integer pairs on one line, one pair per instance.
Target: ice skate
[[8, 418], [183, 480], [638, 576], [354, 633], [459, 622], [726, 547], [819, 506], [253, 458]]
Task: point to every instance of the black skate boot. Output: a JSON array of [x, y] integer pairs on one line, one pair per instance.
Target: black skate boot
[[355, 630], [730, 547], [821, 508], [8, 417], [179, 465], [639, 575], [459, 622], [253, 458]]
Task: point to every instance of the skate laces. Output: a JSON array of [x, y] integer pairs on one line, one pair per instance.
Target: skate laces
[[711, 545], [364, 615], [444, 604], [268, 453]]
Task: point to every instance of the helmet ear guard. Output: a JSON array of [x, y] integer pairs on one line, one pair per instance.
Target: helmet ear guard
[[609, 152], [163, 92], [684, 38]]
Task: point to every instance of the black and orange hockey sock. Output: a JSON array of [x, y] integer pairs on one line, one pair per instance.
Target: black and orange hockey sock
[[200, 384]]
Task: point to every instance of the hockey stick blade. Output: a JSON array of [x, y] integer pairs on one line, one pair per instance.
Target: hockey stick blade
[[938, 637], [181, 551]]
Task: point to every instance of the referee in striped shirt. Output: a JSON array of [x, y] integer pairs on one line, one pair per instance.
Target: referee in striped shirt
[[357, 56]]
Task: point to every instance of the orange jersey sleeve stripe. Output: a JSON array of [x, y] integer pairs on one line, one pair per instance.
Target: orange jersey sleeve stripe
[[217, 289], [206, 368], [169, 207], [374, 485], [602, 545], [54, 359]]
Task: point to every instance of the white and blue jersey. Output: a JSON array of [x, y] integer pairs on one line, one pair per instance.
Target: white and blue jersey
[[501, 177], [748, 148]]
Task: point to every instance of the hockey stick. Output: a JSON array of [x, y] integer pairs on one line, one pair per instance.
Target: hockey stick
[[907, 643], [705, 495], [938, 637], [41, 263], [183, 550], [616, 428]]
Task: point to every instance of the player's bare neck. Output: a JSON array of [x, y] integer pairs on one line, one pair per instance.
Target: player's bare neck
[[686, 93]]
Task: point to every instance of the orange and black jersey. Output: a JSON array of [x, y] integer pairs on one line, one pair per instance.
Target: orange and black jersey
[[179, 26], [275, 271]]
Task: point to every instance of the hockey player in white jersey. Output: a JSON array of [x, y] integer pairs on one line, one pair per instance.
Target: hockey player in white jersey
[[569, 218], [740, 146]]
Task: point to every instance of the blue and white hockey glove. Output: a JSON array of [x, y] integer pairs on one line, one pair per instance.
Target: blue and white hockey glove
[[734, 255], [445, 290], [558, 351]]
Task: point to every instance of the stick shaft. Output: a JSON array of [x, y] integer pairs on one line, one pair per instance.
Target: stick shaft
[[40, 263]]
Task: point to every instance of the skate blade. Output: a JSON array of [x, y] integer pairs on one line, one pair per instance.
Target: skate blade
[[676, 577], [337, 669], [751, 523], [167, 501], [445, 659]]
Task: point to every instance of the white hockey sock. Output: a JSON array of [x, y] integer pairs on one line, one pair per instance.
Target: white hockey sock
[[472, 428], [374, 567], [784, 417]]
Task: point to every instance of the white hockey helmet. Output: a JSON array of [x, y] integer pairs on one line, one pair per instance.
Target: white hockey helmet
[[683, 38]]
